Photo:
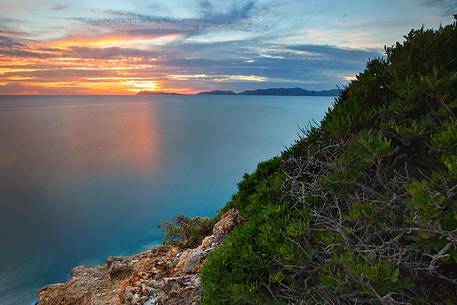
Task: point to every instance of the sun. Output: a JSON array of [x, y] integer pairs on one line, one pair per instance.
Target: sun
[[141, 85]]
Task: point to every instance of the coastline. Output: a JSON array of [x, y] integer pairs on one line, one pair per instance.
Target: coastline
[[161, 275]]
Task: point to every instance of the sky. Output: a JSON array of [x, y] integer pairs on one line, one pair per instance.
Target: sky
[[187, 46]]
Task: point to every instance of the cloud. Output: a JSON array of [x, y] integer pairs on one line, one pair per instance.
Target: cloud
[[59, 7], [217, 78], [447, 7], [204, 44], [109, 53], [234, 65], [13, 48], [117, 39], [335, 53], [234, 14], [210, 16], [8, 43]]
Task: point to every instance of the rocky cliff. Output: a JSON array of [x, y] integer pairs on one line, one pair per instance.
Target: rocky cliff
[[161, 276]]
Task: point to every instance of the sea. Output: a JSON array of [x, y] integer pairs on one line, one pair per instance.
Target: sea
[[86, 177]]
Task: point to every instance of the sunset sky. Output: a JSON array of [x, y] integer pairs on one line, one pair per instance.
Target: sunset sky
[[122, 47]]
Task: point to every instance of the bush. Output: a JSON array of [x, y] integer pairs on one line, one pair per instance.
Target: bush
[[362, 209], [186, 232]]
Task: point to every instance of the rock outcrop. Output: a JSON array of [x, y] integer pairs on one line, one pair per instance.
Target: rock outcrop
[[161, 276]]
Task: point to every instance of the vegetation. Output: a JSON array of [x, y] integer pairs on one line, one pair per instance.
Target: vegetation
[[363, 208], [186, 232]]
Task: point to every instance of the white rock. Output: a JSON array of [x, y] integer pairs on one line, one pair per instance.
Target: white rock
[[151, 301]]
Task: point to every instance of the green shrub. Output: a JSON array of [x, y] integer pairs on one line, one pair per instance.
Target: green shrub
[[363, 208], [186, 232]]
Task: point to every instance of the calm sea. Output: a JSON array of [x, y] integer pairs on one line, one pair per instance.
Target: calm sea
[[82, 178]]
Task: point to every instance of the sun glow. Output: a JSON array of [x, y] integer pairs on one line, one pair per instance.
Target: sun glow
[[64, 73], [108, 64], [115, 40], [139, 85], [101, 63]]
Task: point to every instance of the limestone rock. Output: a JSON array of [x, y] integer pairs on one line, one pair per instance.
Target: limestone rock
[[191, 261], [227, 222], [161, 276]]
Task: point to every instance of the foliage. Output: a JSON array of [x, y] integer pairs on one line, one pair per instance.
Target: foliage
[[363, 208], [186, 232]]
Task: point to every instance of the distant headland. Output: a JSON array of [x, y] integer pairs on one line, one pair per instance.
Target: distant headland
[[270, 91]]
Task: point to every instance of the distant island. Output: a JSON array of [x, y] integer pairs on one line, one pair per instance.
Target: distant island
[[145, 92], [270, 91], [217, 92]]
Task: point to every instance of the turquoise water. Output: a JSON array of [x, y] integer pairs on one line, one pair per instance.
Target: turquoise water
[[82, 178]]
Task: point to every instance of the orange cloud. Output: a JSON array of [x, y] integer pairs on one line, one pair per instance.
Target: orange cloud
[[74, 75], [84, 65], [116, 40]]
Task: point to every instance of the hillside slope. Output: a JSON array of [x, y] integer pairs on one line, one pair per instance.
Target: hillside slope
[[363, 208]]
